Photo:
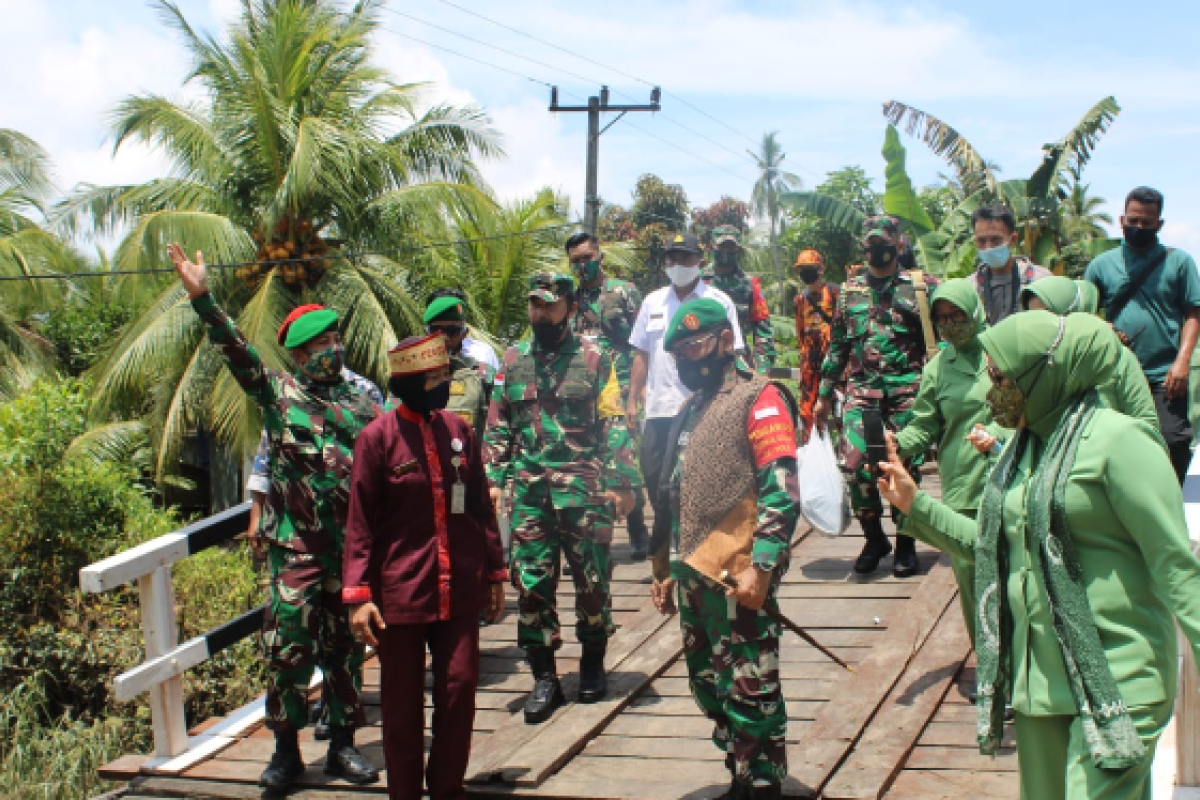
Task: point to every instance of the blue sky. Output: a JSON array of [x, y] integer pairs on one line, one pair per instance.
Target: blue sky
[[1010, 76]]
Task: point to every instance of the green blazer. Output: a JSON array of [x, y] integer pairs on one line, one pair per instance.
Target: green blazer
[[951, 400], [1125, 512]]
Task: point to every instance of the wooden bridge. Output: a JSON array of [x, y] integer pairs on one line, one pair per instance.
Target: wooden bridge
[[899, 726]]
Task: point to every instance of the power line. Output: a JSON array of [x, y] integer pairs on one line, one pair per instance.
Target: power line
[[469, 58]]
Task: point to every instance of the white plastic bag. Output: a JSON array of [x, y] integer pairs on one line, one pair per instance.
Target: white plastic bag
[[823, 499]]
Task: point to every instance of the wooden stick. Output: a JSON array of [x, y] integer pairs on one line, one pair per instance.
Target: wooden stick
[[727, 580]]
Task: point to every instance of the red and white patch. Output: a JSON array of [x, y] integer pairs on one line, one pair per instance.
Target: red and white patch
[[771, 431], [691, 322]]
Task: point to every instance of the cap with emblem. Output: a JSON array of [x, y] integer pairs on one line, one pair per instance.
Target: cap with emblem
[[449, 309], [550, 286], [306, 323], [695, 316], [417, 354], [726, 233], [684, 243], [883, 227], [809, 258]]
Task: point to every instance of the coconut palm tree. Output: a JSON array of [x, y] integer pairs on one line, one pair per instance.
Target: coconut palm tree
[[772, 181], [1083, 214], [299, 153]]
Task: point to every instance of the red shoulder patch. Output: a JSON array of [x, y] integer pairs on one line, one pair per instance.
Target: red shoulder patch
[[770, 428], [759, 310]]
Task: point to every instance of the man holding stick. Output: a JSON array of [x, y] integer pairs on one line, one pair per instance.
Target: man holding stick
[[734, 511]]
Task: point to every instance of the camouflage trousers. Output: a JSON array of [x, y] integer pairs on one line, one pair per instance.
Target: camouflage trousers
[[544, 532], [307, 626], [897, 411], [732, 656]]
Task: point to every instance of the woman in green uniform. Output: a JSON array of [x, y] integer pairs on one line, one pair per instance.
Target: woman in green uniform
[[950, 403], [1081, 556]]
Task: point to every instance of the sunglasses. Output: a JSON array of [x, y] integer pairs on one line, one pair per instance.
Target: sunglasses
[[694, 348]]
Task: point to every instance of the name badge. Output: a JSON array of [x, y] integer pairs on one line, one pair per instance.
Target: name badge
[[403, 469], [458, 498], [457, 388]]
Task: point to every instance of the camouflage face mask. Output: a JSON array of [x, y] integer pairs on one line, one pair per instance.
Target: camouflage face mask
[[957, 333], [325, 365]]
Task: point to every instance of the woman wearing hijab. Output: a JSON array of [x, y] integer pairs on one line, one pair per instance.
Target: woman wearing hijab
[[1081, 556], [951, 401]]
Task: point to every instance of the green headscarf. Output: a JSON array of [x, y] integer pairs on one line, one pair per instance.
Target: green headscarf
[[1060, 295], [1089, 297], [961, 294], [1084, 359], [1070, 355]]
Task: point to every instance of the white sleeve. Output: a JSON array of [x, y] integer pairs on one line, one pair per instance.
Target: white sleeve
[[731, 312], [638, 337]]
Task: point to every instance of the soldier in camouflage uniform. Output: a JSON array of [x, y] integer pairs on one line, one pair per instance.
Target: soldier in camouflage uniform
[[555, 428], [470, 381], [754, 317], [876, 354], [312, 418], [608, 307], [732, 455]]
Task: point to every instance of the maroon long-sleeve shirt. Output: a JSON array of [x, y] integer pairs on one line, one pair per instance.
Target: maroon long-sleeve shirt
[[404, 549]]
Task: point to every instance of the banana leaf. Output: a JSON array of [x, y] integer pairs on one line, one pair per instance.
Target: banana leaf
[[899, 197]]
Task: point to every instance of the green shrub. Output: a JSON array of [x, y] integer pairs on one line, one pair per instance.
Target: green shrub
[[80, 332]]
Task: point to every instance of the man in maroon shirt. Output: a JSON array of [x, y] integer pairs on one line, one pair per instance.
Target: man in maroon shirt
[[422, 558]]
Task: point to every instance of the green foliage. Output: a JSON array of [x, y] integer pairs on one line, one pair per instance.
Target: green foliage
[[899, 197], [726, 211], [81, 332], [829, 219]]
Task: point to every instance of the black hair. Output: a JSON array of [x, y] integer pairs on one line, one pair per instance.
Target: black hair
[[583, 237], [997, 212], [1146, 195], [447, 292]]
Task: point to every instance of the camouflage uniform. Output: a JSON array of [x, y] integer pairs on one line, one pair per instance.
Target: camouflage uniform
[[754, 316], [556, 429], [311, 428], [879, 346], [607, 313], [732, 652], [470, 389]]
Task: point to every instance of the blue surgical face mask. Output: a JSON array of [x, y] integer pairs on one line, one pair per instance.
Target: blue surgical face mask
[[996, 257]]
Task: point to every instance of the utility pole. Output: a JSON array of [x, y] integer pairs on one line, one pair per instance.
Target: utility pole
[[595, 106]]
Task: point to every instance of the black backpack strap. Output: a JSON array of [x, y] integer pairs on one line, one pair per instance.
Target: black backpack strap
[[1120, 299]]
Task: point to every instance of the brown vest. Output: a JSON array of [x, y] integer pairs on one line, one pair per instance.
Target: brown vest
[[718, 467]]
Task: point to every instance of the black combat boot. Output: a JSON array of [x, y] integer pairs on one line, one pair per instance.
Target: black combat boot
[[593, 682], [345, 760], [772, 791], [547, 693], [905, 563], [876, 548], [285, 765]]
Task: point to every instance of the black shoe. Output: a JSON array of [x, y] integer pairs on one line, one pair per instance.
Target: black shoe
[[905, 563], [346, 761], [285, 765], [772, 791], [637, 556], [875, 549], [547, 693], [593, 682]]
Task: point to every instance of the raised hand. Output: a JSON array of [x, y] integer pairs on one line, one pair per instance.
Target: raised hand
[[193, 276], [896, 485]]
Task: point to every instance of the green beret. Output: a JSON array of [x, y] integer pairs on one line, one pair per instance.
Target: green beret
[[309, 327], [447, 308], [693, 317]]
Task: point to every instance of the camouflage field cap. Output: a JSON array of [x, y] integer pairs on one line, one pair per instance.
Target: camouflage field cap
[[695, 316], [726, 233], [883, 226], [418, 354], [550, 286]]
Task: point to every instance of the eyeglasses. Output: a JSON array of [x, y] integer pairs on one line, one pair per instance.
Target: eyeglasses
[[949, 319], [456, 329], [694, 348]]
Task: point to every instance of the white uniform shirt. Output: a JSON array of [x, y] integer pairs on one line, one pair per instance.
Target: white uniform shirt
[[665, 393]]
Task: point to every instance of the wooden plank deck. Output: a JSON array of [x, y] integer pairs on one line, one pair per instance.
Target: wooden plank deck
[[898, 727]]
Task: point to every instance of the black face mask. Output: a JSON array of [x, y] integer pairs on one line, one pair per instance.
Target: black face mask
[[549, 335], [704, 374], [881, 256], [411, 391], [907, 260], [1139, 238], [810, 274], [726, 259]]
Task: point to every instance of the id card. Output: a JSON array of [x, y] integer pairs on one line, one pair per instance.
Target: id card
[[458, 498]]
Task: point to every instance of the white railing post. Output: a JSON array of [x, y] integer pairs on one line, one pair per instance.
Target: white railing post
[[1187, 706], [157, 600]]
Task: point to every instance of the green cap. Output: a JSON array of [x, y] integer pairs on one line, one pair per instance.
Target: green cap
[[726, 233], [695, 316], [447, 308], [550, 286], [309, 327]]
